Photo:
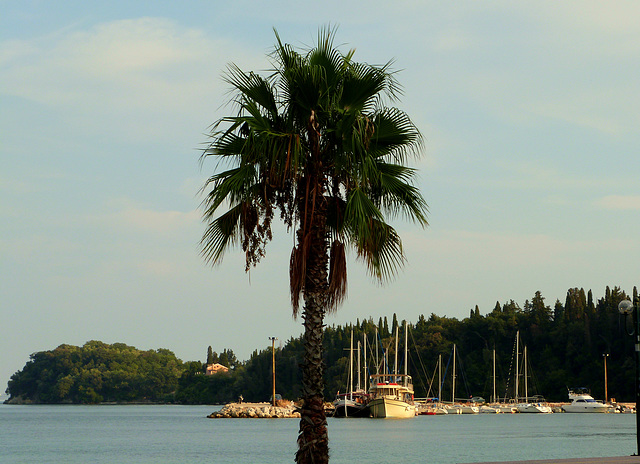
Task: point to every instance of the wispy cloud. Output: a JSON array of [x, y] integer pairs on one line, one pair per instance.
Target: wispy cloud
[[620, 202], [135, 218], [135, 60], [141, 78]]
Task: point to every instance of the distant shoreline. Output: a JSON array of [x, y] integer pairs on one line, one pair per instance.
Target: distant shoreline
[[21, 402]]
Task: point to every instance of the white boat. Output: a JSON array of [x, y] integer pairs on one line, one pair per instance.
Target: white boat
[[451, 409], [487, 409], [437, 411], [391, 395], [391, 400], [538, 405], [539, 408], [425, 408], [582, 401], [466, 408], [505, 408]]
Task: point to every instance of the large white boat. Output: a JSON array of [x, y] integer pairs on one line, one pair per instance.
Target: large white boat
[[391, 395], [582, 401]]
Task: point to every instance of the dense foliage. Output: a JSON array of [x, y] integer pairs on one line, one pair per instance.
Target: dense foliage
[[565, 346], [97, 372]]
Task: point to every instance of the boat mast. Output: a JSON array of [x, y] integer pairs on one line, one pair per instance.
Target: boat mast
[[439, 378], [526, 391], [453, 388], [364, 337], [395, 367], [351, 368], [406, 339], [359, 371], [494, 376], [517, 365], [377, 360]]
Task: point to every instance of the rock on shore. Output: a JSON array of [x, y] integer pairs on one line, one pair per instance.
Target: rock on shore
[[256, 410]]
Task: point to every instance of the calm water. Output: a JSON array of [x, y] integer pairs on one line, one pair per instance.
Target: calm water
[[183, 434]]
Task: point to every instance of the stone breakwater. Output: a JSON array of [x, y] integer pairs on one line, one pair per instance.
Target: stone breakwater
[[255, 411]]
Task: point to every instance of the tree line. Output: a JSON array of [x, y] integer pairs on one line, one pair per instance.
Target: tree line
[[565, 343]]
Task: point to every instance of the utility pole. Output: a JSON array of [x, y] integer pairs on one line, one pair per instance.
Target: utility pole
[[273, 369]]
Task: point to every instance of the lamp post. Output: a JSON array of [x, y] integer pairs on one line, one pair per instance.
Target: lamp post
[[627, 308], [606, 391], [273, 369]]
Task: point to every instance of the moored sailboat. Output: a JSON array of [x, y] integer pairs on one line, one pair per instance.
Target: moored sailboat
[[353, 403], [539, 405]]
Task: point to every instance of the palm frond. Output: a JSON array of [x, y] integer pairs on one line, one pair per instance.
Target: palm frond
[[398, 195], [220, 234], [252, 88], [396, 135], [337, 275]]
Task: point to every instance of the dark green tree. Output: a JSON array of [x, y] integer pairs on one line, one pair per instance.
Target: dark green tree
[[316, 141], [209, 355]]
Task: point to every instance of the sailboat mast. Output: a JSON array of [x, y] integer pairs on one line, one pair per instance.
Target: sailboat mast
[[351, 368], [439, 377], [377, 360], [406, 339], [526, 390], [364, 338], [453, 387], [395, 367], [359, 371], [494, 376], [517, 366]]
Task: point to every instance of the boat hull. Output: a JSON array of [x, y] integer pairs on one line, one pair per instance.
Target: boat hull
[[534, 408], [572, 408], [391, 408], [350, 408], [583, 402]]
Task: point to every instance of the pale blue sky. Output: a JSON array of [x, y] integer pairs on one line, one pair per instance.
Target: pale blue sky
[[530, 112]]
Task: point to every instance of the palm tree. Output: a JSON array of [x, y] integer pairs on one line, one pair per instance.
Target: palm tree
[[315, 141]]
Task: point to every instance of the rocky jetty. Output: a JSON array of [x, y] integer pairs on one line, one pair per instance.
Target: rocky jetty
[[256, 410]]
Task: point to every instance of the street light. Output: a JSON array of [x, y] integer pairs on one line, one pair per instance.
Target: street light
[[273, 369], [626, 308]]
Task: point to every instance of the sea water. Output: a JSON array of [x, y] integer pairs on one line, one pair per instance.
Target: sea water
[[182, 434]]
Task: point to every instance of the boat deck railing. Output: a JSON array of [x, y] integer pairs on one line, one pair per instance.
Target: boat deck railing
[[392, 379]]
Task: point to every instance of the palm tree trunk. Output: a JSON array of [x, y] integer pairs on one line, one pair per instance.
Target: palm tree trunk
[[313, 439]]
